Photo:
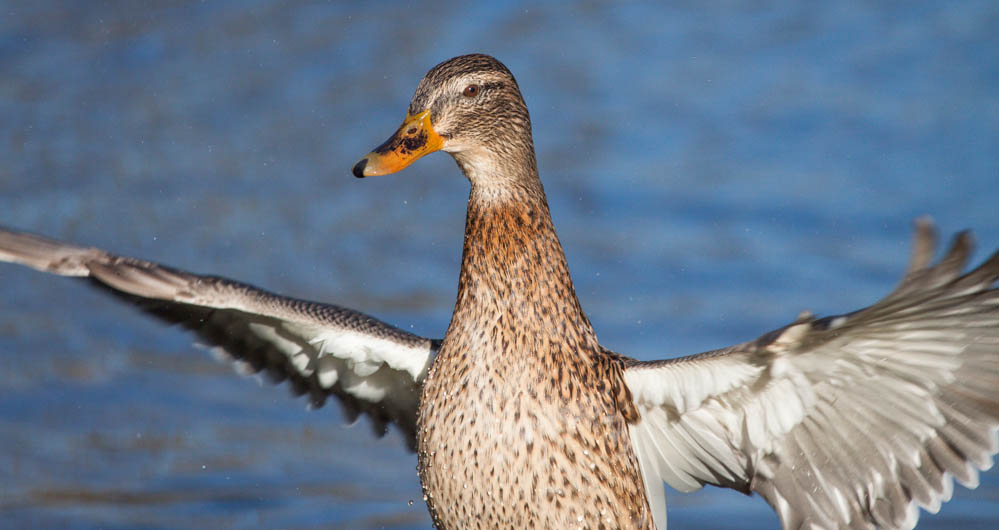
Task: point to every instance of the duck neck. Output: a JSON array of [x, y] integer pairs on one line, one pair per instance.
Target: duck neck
[[514, 274]]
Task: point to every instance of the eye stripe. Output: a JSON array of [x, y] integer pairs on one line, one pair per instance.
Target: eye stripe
[[480, 87]]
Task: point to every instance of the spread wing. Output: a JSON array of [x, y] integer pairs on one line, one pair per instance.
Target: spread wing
[[851, 421], [372, 367]]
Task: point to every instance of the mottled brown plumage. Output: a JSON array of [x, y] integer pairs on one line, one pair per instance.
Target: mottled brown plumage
[[523, 417]]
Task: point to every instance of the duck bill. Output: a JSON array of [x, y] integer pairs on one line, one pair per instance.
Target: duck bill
[[415, 138]]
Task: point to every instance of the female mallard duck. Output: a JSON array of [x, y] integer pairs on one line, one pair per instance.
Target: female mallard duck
[[521, 419]]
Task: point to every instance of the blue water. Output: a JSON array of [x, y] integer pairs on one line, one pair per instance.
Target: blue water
[[712, 172]]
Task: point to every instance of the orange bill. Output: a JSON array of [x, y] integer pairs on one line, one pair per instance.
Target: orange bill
[[415, 138]]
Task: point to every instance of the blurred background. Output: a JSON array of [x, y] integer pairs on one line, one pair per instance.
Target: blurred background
[[712, 171]]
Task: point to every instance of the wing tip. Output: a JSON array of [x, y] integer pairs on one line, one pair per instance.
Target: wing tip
[[922, 273], [47, 255]]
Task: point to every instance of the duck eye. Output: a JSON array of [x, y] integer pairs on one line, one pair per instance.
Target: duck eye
[[471, 91]]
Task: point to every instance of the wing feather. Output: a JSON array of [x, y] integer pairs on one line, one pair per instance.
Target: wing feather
[[849, 421], [323, 350]]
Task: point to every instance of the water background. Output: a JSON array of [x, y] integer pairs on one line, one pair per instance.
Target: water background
[[712, 171]]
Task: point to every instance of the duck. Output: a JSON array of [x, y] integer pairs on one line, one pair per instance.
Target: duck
[[520, 418]]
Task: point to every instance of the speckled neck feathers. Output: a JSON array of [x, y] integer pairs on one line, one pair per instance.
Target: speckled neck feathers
[[514, 272]]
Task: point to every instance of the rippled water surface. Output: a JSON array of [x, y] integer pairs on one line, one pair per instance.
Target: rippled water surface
[[712, 172]]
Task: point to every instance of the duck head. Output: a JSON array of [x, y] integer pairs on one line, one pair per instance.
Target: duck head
[[469, 107]]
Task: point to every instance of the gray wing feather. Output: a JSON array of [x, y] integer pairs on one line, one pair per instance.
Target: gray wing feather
[[850, 421], [373, 368]]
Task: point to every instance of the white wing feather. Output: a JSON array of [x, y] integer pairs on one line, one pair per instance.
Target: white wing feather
[[322, 349], [852, 421]]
